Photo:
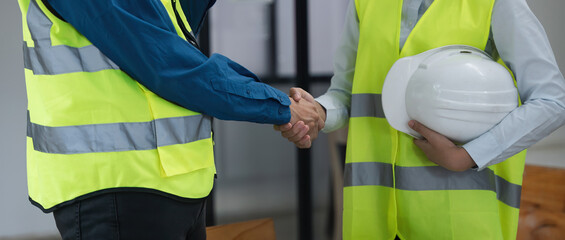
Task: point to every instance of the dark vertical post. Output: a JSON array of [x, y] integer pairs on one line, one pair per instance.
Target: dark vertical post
[[204, 36], [304, 162], [204, 42]]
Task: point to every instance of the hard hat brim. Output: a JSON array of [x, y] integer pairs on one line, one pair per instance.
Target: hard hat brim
[[394, 94]]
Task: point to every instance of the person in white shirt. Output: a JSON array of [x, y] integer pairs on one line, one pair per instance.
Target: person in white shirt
[[518, 38]]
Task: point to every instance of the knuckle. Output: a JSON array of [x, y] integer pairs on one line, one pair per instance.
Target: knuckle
[[285, 133]]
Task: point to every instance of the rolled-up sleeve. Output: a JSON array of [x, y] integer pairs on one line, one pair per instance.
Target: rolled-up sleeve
[[141, 39]]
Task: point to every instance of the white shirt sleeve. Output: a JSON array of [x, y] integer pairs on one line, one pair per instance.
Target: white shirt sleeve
[[522, 44], [337, 100]]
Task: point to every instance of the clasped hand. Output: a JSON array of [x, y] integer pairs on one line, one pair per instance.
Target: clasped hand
[[440, 150], [307, 119]]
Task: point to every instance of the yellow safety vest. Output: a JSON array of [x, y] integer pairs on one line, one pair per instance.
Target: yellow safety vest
[[93, 129], [391, 188]]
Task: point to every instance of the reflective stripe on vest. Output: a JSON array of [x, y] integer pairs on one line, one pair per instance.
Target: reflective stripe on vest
[[114, 137], [69, 60], [367, 105], [430, 178], [391, 187], [45, 59], [91, 128]]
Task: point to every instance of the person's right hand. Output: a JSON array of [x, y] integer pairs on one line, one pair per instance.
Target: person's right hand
[[440, 150], [302, 130]]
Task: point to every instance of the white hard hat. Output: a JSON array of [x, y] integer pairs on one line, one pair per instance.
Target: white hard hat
[[457, 91]]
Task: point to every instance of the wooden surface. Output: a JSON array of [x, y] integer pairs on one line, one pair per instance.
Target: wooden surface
[[262, 229], [542, 208]]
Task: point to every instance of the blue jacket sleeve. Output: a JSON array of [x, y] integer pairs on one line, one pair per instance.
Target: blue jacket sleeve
[[140, 38]]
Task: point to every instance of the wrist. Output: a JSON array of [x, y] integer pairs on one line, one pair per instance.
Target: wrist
[[466, 159], [321, 111]]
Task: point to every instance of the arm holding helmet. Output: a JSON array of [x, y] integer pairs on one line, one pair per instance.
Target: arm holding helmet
[[523, 45]]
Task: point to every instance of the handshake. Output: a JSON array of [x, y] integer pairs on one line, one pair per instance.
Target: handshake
[[307, 119]]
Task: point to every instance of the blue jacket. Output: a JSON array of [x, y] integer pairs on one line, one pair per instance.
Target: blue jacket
[[141, 39]]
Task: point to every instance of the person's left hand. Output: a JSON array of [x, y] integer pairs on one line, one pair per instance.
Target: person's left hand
[[440, 149]]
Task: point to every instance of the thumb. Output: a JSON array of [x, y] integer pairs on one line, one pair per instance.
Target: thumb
[[421, 129], [295, 94]]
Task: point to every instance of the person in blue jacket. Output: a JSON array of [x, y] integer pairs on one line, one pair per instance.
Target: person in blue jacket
[[139, 36]]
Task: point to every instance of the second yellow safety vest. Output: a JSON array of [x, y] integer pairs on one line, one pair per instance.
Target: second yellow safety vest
[[391, 188]]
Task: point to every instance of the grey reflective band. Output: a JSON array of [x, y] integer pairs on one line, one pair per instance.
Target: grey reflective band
[[431, 178], [64, 59], [368, 173], [439, 178], [44, 59], [39, 25], [116, 137], [367, 105], [179, 130]]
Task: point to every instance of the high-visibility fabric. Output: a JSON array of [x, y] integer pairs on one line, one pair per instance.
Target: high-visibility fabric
[[391, 188], [92, 128]]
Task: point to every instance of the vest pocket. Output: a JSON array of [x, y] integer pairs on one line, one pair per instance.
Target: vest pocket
[[185, 158], [184, 144]]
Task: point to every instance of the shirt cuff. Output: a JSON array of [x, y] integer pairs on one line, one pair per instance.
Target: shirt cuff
[[277, 111], [284, 110], [483, 150], [334, 115]]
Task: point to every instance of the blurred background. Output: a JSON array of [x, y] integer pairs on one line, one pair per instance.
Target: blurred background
[[257, 169]]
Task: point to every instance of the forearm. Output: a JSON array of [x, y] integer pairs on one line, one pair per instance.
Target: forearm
[[535, 122], [337, 100]]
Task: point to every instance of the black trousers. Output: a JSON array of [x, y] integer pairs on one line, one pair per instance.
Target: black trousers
[[132, 215]]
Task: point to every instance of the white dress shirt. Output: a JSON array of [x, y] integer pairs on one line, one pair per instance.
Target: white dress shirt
[[522, 44]]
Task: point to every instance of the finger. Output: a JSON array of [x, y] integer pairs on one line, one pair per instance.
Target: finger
[[295, 94], [305, 95], [303, 132], [313, 133], [296, 128], [422, 144], [421, 129], [321, 124], [284, 127], [305, 142]]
